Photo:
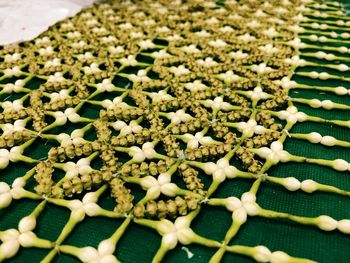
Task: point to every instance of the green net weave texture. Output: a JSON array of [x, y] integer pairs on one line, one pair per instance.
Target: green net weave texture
[[179, 131]]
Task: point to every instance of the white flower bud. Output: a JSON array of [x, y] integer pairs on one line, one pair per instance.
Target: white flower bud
[[72, 115], [232, 203], [9, 248], [90, 197], [27, 223], [291, 183], [239, 215], [18, 182], [340, 91], [320, 54], [326, 223], [209, 168], [344, 226], [17, 192], [165, 226], [5, 195], [334, 35], [314, 137], [108, 259], [185, 235], [9, 234], [139, 157], [4, 187], [324, 75], [91, 209], [27, 239], [327, 104], [323, 26], [77, 133], [340, 22], [118, 125], [60, 117], [170, 240], [328, 140], [179, 70], [342, 49], [4, 158], [313, 38], [262, 254], [15, 153], [314, 74], [230, 171], [342, 67], [78, 214], [219, 175], [169, 189], [248, 197], [315, 103], [106, 247], [148, 182], [193, 144], [279, 257], [252, 209], [309, 186], [322, 39], [5, 200], [345, 35], [340, 165], [88, 254], [148, 153]]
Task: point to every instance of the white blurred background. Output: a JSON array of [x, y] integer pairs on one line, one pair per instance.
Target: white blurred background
[[26, 19]]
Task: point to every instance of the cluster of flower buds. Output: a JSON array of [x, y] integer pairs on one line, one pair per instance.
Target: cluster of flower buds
[[166, 209], [278, 102], [57, 84], [139, 97], [120, 113], [191, 179], [131, 138], [11, 116], [262, 140], [268, 121], [171, 146], [8, 140], [102, 131], [248, 160], [167, 105], [36, 98], [144, 168], [210, 152], [188, 127], [79, 183], [43, 176], [62, 153], [236, 99], [38, 117], [122, 196], [235, 116], [61, 104]]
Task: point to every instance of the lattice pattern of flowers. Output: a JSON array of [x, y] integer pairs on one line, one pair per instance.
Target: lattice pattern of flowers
[[182, 91]]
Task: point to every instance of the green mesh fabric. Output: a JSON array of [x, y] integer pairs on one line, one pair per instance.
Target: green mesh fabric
[[139, 243]]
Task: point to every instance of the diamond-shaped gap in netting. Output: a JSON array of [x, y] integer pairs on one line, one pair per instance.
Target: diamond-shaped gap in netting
[[152, 130]]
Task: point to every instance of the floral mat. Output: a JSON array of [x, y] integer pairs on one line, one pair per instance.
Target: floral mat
[[179, 131]]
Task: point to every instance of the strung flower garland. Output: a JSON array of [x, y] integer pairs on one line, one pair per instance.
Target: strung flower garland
[[176, 101]]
